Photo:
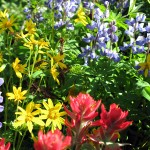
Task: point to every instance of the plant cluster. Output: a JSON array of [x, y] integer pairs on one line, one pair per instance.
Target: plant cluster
[[55, 56]]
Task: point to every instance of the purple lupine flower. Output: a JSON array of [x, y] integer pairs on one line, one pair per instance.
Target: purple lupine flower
[[112, 55], [140, 18], [89, 38], [140, 40], [148, 27], [88, 5], [135, 27], [59, 24], [1, 99]]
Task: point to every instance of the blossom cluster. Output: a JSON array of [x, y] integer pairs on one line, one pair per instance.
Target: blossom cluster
[[82, 114]]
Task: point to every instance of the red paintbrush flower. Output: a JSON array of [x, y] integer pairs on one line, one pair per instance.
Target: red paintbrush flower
[[3, 146], [52, 141], [114, 120], [83, 112], [83, 106]]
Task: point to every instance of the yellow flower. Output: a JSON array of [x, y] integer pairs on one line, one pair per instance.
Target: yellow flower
[[81, 16], [17, 94], [3, 14], [145, 66], [52, 114], [18, 68], [21, 35], [55, 73], [7, 23], [2, 66], [58, 59], [30, 43], [30, 27], [28, 117], [43, 44]]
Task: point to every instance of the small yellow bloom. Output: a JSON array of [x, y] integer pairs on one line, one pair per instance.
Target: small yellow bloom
[[28, 117], [52, 114], [55, 73], [32, 42], [43, 44], [30, 27], [58, 59], [81, 16], [17, 94], [145, 66], [7, 23], [18, 68], [21, 35], [3, 14]]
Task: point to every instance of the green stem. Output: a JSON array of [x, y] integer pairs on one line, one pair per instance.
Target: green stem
[[20, 141]]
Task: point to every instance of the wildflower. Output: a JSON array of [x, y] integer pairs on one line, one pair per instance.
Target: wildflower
[[28, 117], [30, 27], [52, 114], [32, 42], [3, 14], [114, 120], [3, 146], [83, 106], [7, 23], [54, 73], [43, 44], [145, 66], [17, 94], [52, 141], [83, 112], [1, 99], [18, 68], [81, 16], [111, 123], [58, 59]]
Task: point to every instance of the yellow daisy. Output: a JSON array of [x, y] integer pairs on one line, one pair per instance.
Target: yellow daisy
[[17, 94], [55, 73], [18, 68], [30, 27], [3, 14], [7, 23], [52, 114], [28, 117], [145, 66]]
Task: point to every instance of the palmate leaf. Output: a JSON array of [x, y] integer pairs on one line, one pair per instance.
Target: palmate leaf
[[133, 9], [118, 19]]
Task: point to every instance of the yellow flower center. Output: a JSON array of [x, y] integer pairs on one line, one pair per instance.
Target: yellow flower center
[[29, 117], [18, 95], [8, 24], [53, 114]]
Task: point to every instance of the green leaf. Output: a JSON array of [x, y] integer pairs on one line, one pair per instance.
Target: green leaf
[[37, 74], [132, 5], [146, 92], [143, 84]]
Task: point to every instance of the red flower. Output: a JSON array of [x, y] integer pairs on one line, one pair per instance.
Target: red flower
[[52, 141], [3, 146], [83, 112], [83, 106], [114, 120]]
